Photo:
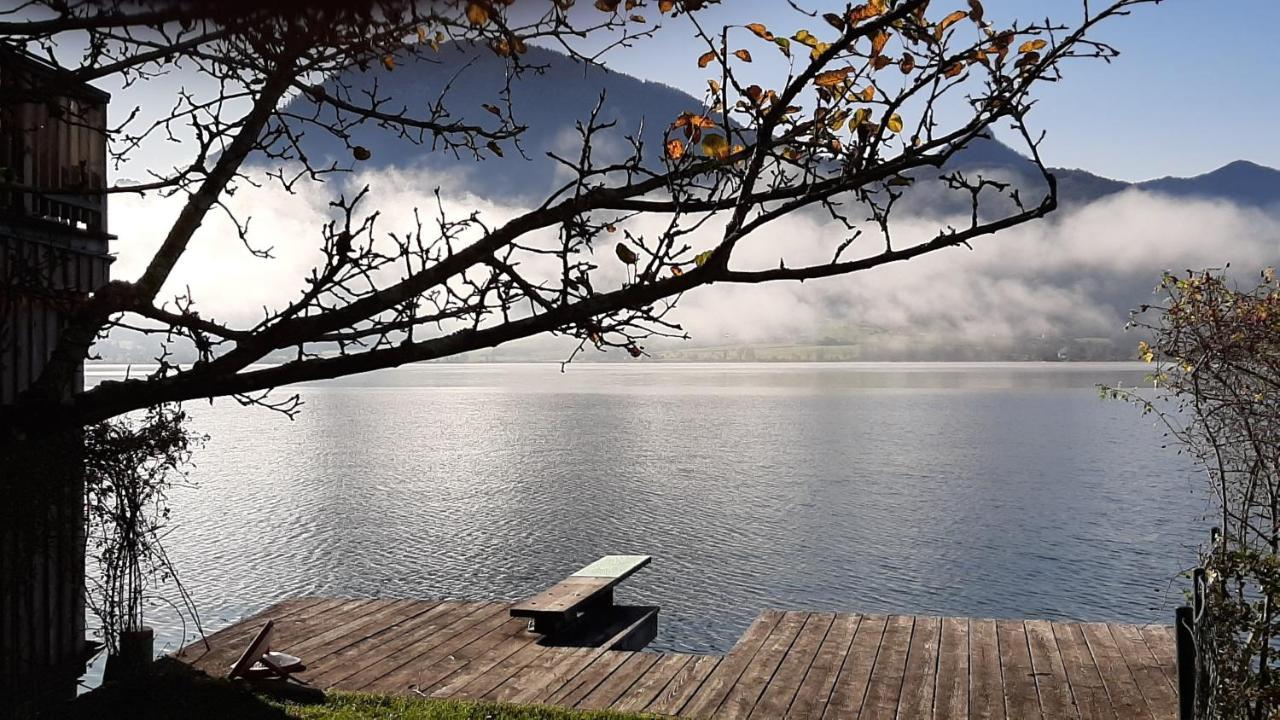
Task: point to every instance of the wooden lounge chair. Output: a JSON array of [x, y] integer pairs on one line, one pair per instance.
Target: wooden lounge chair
[[259, 662]]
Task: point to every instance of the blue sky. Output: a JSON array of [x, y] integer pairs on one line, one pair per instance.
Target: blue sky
[[1194, 88]]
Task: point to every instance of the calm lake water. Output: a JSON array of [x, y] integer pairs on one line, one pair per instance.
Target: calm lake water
[[994, 490]]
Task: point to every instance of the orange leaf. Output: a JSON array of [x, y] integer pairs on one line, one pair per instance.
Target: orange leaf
[[477, 13], [705, 58], [675, 149], [948, 21], [742, 55], [761, 31], [878, 42], [831, 78]]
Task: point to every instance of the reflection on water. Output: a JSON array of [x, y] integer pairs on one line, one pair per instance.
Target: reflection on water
[[987, 489]]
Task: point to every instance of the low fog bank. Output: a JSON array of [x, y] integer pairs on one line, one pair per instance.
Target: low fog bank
[[1061, 288]]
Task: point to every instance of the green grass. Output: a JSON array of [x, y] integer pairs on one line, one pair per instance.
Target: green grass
[[175, 692]]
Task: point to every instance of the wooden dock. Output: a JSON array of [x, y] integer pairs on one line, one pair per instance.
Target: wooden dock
[[786, 665]]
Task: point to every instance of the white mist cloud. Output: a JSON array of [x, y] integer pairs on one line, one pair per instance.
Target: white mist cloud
[[1070, 274]]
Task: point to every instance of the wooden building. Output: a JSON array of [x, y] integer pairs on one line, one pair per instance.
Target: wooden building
[[53, 253]]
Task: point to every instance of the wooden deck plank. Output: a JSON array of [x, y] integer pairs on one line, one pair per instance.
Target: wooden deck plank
[[684, 685], [545, 676], [482, 686], [618, 682], [717, 686], [1126, 698], [426, 671], [1161, 696], [373, 616], [391, 668], [1160, 640], [374, 656], [850, 688], [1092, 702], [1052, 685], [986, 679], [339, 663], [778, 694], [920, 682], [742, 697], [815, 690], [1021, 698], [952, 697], [885, 686], [648, 688], [589, 678]]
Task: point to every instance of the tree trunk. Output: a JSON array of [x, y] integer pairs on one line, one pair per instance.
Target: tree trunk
[[42, 550]]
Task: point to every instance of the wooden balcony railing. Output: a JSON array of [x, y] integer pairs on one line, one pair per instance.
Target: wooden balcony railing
[[53, 154]]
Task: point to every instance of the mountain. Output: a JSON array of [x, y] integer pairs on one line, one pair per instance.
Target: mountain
[[558, 93]]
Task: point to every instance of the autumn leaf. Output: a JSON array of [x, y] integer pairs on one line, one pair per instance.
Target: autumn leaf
[[895, 123], [784, 45], [715, 146], [834, 21], [860, 116], [361, 153], [626, 254], [477, 13], [761, 31], [899, 181], [676, 270], [491, 109], [675, 149], [742, 55], [804, 37], [422, 34], [706, 58], [908, 63], [494, 148], [878, 42], [607, 5], [831, 78], [665, 6], [975, 11], [1032, 46], [868, 94], [701, 258], [388, 62], [1145, 352], [953, 70], [948, 21]]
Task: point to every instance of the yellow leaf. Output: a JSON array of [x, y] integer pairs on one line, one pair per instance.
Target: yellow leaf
[[860, 116], [715, 146], [422, 34], [895, 123], [701, 258], [868, 94], [1032, 45], [742, 55], [804, 37], [705, 58], [477, 13]]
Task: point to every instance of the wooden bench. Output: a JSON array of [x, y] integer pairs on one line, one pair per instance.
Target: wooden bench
[[579, 610]]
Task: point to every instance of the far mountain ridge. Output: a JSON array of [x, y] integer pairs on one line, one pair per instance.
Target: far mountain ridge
[[551, 102]]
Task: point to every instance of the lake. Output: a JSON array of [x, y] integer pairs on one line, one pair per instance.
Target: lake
[[991, 490]]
